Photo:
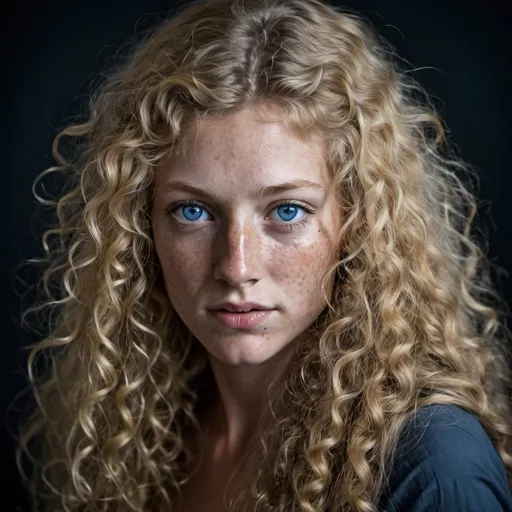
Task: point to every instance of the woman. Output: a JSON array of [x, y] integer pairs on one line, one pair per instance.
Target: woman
[[268, 297]]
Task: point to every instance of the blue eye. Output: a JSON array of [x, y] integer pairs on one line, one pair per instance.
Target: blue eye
[[191, 212], [288, 211]]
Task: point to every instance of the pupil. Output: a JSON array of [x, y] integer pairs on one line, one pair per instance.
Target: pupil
[[193, 211], [288, 212]]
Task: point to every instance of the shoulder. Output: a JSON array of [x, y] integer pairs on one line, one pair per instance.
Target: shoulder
[[444, 460]]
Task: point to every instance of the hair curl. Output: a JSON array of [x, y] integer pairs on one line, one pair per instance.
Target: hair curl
[[410, 322]]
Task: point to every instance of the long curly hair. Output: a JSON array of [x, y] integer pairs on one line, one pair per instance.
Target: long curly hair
[[413, 318]]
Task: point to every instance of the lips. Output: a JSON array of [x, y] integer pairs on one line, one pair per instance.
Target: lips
[[239, 307], [240, 315], [238, 310], [245, 320]]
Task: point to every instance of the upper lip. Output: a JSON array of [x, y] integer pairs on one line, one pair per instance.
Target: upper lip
[[239, 306]]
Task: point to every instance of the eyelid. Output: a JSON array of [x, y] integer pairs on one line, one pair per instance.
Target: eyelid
[[169, 209], [305, 206]]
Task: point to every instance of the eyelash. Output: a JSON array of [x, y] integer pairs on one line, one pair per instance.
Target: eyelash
[[169, 210]]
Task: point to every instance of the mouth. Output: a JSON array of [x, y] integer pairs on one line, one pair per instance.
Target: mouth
[[250, 319], [240, 307], [239, 311]]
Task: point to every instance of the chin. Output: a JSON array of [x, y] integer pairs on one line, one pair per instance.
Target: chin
[[247, 359], [252, 350], [242, 357]]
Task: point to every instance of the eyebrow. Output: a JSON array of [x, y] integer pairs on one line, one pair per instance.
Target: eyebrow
[[261, 191]]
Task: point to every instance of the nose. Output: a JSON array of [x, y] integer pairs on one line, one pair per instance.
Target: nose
[[238, 255]]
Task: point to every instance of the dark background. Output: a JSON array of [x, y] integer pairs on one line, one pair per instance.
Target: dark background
[[52, 50]]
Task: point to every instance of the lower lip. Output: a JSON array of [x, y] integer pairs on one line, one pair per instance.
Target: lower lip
[[249, 320]]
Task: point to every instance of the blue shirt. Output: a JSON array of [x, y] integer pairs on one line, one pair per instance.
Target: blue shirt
[[445, 461]]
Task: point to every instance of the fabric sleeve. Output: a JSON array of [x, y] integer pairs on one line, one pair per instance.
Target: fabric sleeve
[[445, 461]]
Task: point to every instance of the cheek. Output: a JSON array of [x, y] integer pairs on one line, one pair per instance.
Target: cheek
[[182, 264], [301, 270]]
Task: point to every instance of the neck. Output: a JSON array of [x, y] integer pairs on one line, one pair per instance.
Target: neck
[[241, 401]]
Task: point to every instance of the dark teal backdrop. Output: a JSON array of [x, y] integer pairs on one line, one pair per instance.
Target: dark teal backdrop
[[52, 50]]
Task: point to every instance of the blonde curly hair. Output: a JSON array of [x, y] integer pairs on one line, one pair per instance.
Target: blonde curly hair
[[412, 320]]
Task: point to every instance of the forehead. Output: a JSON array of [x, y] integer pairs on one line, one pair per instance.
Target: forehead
[[245, 148]]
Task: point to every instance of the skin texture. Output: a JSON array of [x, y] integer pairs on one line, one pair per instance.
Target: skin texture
[[242, 248]]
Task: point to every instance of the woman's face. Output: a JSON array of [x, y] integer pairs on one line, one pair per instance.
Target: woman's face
[[247, 214]]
